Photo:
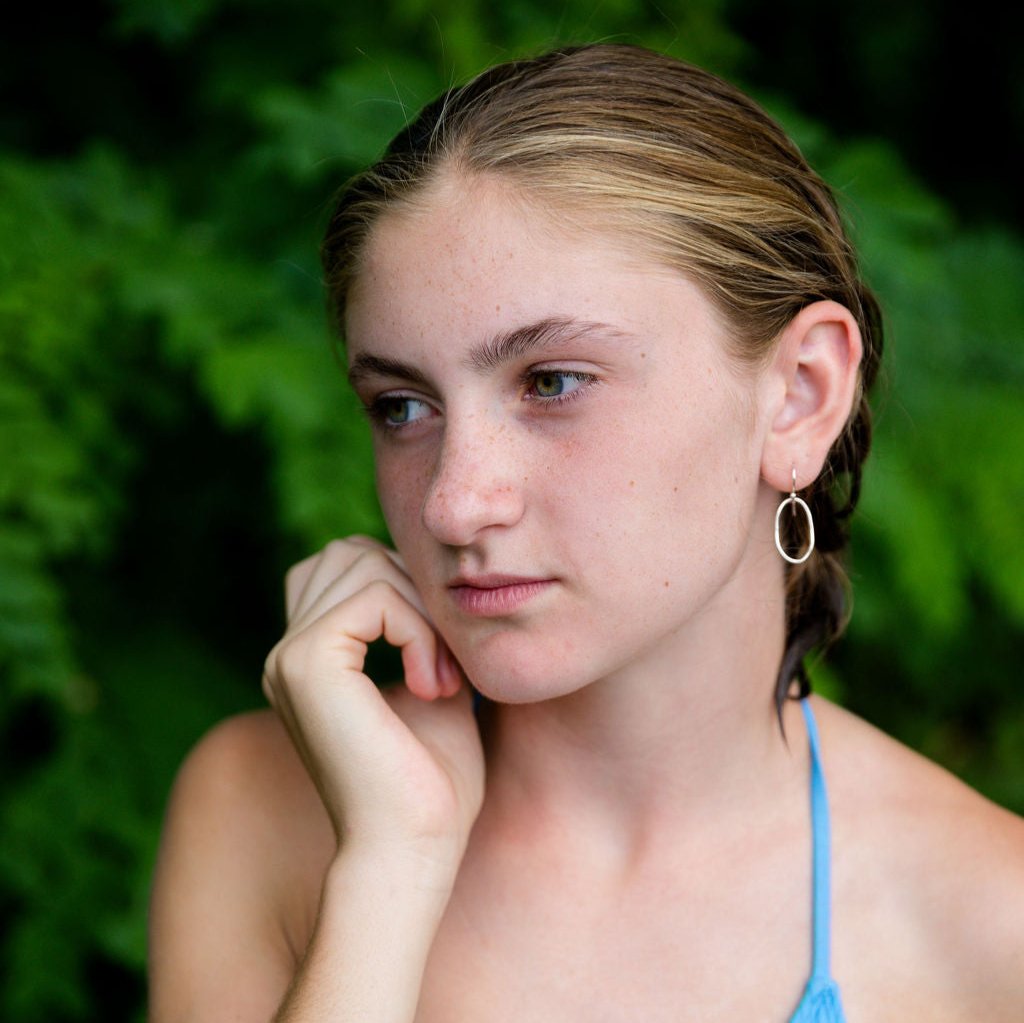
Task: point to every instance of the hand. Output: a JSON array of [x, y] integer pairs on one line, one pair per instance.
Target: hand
[[397, 771]]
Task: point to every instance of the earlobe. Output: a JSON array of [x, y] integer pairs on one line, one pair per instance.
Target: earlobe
[[816, 366]]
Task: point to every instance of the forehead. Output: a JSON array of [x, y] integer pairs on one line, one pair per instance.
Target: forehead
[[476, 256], [475, 232]]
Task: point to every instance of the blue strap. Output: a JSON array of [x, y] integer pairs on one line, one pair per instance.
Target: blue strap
[[822, 832]]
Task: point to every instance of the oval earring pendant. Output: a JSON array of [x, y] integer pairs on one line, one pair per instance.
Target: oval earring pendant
[[793, 499]]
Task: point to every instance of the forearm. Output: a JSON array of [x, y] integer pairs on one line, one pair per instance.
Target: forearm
[[365, 962]]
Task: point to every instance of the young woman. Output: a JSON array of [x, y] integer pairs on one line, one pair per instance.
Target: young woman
[[614, 347]]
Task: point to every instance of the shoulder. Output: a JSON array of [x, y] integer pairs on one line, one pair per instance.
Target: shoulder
[[245, 777], [933, 861], [245, 843], [244, 752]]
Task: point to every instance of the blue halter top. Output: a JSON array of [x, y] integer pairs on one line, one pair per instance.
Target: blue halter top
[[821, 1002]]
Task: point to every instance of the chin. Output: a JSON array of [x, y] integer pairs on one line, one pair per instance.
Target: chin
[[501, 690], [505, 674]]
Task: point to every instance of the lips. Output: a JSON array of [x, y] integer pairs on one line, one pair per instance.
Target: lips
[[495, 595]]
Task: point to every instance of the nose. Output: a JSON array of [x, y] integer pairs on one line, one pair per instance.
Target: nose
[[476, 484]]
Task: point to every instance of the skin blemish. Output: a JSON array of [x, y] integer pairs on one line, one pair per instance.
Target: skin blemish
[[666, 584], [632, 483]]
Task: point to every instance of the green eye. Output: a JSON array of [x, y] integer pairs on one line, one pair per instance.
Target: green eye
[[549, 385], [553, 386], [396, 411]]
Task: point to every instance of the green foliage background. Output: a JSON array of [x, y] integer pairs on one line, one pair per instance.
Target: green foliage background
[[174, 431]]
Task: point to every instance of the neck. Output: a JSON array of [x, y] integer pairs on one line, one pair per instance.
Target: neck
[[684, 736]]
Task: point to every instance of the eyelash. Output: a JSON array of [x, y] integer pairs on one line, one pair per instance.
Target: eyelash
[[586, 381], [376, 410]]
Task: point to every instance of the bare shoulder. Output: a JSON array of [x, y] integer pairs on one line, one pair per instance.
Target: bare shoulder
[[248, 764], [937, 865], [245, 843]]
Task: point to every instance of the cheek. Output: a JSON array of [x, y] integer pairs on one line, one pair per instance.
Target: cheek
[[402, 482], [584, 477], [680, 474]]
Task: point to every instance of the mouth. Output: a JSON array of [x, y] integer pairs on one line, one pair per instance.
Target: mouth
[[493, 595]]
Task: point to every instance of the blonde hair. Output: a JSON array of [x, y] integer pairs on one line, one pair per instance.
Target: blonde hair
[[662, 152]]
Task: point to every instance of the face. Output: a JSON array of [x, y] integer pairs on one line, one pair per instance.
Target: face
[[567, 458]]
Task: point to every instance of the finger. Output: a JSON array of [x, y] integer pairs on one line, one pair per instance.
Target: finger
[[308, 578], [404, 627], [324, 590], [295, 581], [449, 672], [371, 544], [389, 551], [304, 580], [336, 641], [342, 559]]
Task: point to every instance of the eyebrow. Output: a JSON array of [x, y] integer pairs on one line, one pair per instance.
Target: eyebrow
[[506, 347], [552, 331], [376, 365]]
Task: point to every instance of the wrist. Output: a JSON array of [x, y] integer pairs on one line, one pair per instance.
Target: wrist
[[379, 912], [421, 876]]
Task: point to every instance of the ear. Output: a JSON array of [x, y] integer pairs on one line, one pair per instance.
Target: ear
[[811, 381]]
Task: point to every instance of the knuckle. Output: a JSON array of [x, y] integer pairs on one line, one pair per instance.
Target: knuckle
[[295, 580], [286, 663], [303, 567], [291, 662], [362, 538], [269, 692], [382, 589], [271, 666], [334, 548], [345, 556], [292, 576], [374, 561]]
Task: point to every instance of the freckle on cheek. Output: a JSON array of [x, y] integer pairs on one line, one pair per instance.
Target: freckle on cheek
[[666, 584]]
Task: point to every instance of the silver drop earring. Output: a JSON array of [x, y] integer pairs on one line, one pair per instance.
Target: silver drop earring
[[794, 501]]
